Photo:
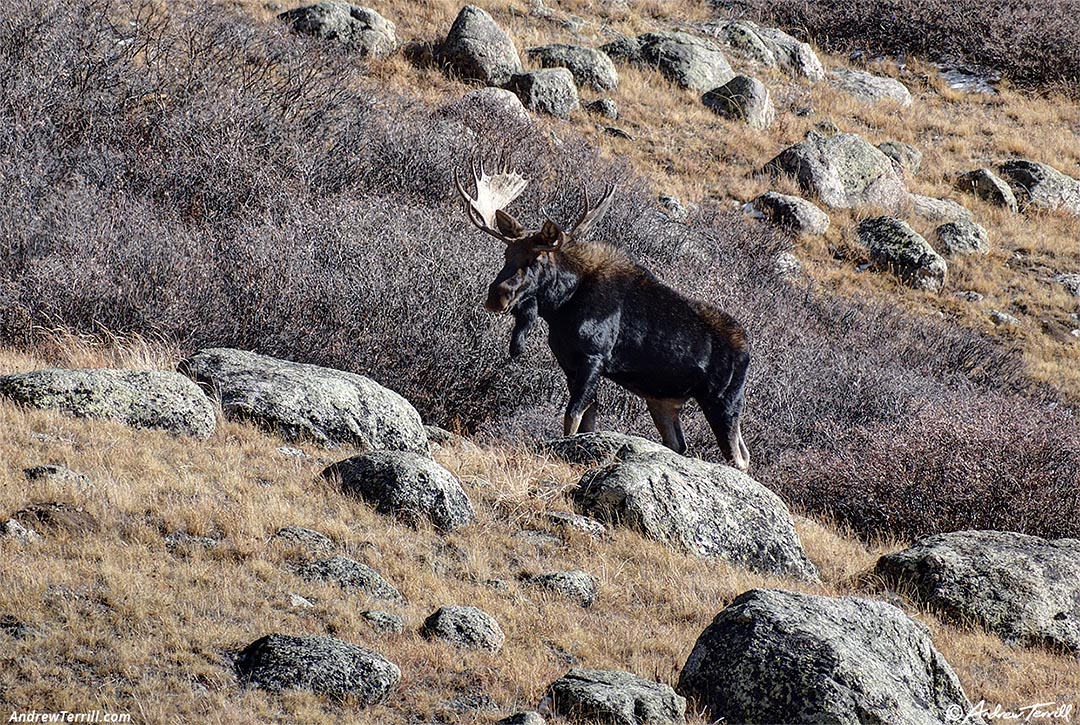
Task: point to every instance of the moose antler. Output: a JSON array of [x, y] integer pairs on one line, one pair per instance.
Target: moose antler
[[589, 216], [493, 194]]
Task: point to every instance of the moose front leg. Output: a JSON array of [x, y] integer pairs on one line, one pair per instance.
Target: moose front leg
[[583, 385], [524, 316]]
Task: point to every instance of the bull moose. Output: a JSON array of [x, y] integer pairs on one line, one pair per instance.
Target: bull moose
[[610, 317]]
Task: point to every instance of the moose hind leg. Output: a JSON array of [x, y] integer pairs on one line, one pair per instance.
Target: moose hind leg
[[665, 416]]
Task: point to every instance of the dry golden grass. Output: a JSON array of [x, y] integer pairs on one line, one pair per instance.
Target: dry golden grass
[[122, 624], [689, 152]]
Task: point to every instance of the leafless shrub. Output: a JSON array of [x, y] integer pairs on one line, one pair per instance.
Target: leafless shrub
[[214, 182]]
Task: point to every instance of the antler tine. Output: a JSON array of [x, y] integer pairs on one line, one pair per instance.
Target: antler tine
[[592, 214]]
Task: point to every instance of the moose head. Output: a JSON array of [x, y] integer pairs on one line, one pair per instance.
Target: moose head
[[529, 261]]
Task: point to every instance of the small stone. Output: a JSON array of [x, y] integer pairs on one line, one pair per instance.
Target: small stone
[[61, 475], [604, 107], [523, 718], [870, 88], [384, 622], [989, 187], [742, 98], [14, 531], [351, 575], [584, 524], [575, 584], [906, 157], [550, 90], [308, 538], [298, 602], [962, 237], [182, 539], [58, 516], [611, 696], [1002, 319]]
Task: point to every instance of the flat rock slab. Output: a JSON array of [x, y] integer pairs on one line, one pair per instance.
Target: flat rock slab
[[314, 541], [769, 47], [477, 49], [868, 87], [574, 584], [351, 575], [619, 698], [355, 27], [989, 187], [843, 170], [465, 627], [325, 665], [308, 402], [412, 487], [1023, 588], [774, 656], [599, 448], [152, 399], [898, 249], [706, 509]]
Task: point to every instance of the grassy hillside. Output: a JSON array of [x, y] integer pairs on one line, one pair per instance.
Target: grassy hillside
[[121, 622], [176, 176]]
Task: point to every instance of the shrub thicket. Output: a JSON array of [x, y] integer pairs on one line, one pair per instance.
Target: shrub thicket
[[223, 183], [1032, 44]]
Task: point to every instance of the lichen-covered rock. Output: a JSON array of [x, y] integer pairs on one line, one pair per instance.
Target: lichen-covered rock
[[1026, 589], [599, 448], [1071, 282], [490, 107], [604, 107], [325, 665], [61, 475], [591, 68], [989, 187], [584, 524], [962, 237], [743, 98], [907, 158], [796, 215], [1041, 186], [314, 541], [575, 584], [384, 622], [307, 402], [843, 171], [616, 698], [703, 508], [868, 87], [897, 248], [523, 718], [688, 60], [12, 530], [769, 47], [351, 575], [139, 398], [405, 485], [477, 49], [776, 656], [466, 627], [938, 210], [357, 27], [549, 90]]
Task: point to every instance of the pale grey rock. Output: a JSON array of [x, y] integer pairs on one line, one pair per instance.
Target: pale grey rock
[[1041, 186], [384, 622], [181, 541], [465, 627], [599, 448], [900, 250], [490, 106], [325, 665], [843, 171], [787, 265], [938, 210], [1002, 319], [794, 56], [962, 237], [477, 49], [405, 485], [441, 438], [298, 602], [314, 541], [770, 47], [549, 90], [352, 576], [604, 107], [798, 216], [57, 516], [358, 28], [575, 584], [307, 402], [1071, 283], [1025, 589], [989, 187], [153, 399], [869, 87], [706, 509], [907, 158], [12, 530], [60, 475], [774, 656], [584, 524], [523, 718], [745, 99], [617, 698], [688, 60], [591, 68]]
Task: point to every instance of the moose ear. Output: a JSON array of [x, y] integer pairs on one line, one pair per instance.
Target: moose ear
[[551, 237], [508, 225]]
